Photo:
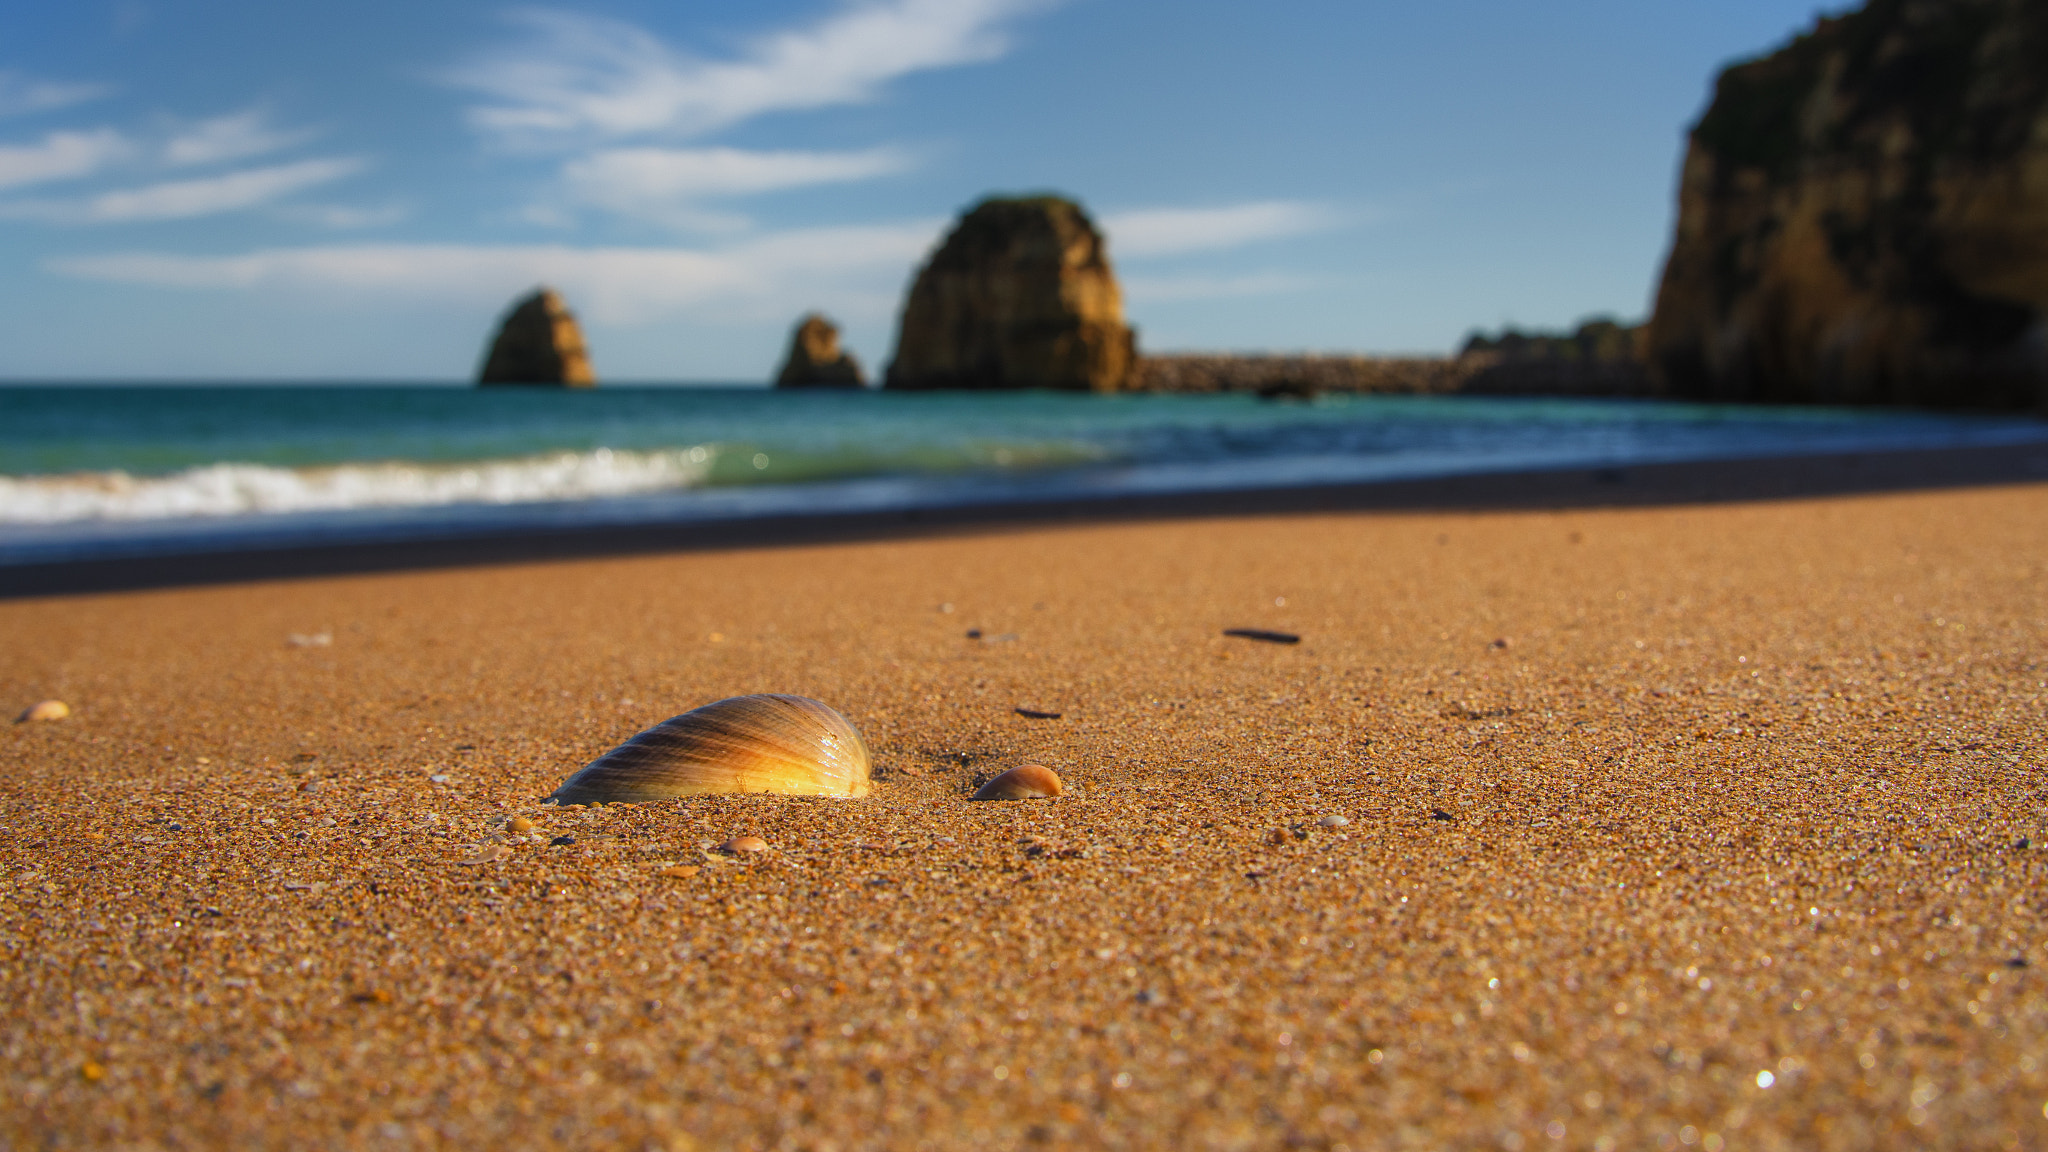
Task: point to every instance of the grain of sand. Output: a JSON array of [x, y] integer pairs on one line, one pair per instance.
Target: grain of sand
[[1737, 842]]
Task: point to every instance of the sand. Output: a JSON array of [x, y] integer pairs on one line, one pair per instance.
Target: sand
[[1719, 827]]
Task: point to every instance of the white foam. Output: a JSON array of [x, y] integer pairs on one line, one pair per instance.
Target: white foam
[[242, 489]]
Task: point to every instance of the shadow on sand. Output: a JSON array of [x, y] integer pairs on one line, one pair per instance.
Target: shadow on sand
[[1781, 478]]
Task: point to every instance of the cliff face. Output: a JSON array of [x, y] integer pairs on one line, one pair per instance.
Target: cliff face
[[1020, 295], [538, 343], [1863, 216], [815, 359]]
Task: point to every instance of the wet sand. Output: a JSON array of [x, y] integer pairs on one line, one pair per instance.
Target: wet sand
[[1711, 826]]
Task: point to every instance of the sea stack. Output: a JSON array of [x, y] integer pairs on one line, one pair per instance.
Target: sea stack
[[539, 343], [1020, 295], [1863, 216], [815, 359]]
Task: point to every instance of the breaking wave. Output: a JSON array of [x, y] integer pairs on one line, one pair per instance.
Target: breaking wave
[[239, 489]]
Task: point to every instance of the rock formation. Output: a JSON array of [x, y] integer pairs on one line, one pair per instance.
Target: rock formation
[[1863, 216], [815, 359], [1020, 295], [538, 343]]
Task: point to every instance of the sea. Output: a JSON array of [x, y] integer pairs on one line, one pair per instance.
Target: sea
[[97, 471]]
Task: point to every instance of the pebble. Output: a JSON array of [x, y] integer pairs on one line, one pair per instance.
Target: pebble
[[519, 824], [680, 871], [310, 639], [45, 710], [562, 841], [1037, 714], [1333, 822], [739, 844], [1269, 637], [1024, 782]]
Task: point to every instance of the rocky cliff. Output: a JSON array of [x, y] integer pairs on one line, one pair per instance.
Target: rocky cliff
[[815, 359], [1020, 295], [1863, 216], [538, 343]]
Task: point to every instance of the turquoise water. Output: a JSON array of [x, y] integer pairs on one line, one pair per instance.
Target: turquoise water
[[100, 463]]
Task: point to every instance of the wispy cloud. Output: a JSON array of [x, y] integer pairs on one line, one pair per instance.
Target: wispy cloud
[[62, 156], [184, 199], [21, 95], [770, 276], [580, 76], [1175, 231], [1164, 289], [666, 185], [224, 138]]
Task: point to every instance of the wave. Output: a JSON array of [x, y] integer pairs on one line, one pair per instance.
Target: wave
[[231, 489]]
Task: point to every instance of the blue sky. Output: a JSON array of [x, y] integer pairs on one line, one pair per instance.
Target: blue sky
[[242, 189]]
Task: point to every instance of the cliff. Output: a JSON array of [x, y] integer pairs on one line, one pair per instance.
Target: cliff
[[1863, 216], [815, 359], [1020, 295], [538, 342]]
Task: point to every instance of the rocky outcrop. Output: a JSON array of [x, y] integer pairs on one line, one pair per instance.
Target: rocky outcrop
[[815, 359], [1020, 295], [538, 343], [1481, 373], [1863, 216], [1601, 357]]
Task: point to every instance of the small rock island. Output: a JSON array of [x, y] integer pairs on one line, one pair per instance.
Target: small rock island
[[539, 342], [815, 358], [1020, 295]]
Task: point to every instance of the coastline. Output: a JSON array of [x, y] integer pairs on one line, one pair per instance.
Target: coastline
[[312, 553], [1659, 818]]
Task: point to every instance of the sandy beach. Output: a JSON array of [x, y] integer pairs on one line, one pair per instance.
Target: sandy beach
[[1711, 826]]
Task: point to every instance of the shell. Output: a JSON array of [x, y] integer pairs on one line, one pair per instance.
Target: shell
[[1024, 782], [789, 745], [45, 710], [740, 844]]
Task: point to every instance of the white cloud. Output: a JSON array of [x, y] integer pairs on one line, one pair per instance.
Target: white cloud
[[584, 75], [770, 277], [1174, 231], [61, 156], [21, 95], [1164, 289], [234, 137], [184, 199], [662, 184]]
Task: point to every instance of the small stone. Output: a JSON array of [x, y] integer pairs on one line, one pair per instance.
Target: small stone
[[91, 1072], [310, 786], [1024, 782], [1333, 821], [1276, 836], [310, 639], [739, 844], [1500, 642], [44, 710], [680, 871], [372, 996], [562, 841], [1037, 714], [519, 824], [1263, 634], [1440, 814]]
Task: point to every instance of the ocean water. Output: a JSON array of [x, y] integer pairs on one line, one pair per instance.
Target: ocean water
[[107, 470]]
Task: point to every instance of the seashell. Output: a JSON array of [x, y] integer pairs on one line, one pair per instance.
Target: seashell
[[519, 824], [739, 844], [44, 710], [1024, 782], [1333, 821], [789, 745]]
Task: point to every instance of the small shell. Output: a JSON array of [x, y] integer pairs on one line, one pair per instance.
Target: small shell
[[1333, 821], [1024, 782], [788, 745], [45, 710], [739, 844]]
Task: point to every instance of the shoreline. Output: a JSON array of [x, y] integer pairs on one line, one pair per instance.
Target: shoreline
[[1635, 485]]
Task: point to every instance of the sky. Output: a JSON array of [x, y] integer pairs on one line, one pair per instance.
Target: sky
[[247, 190]]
